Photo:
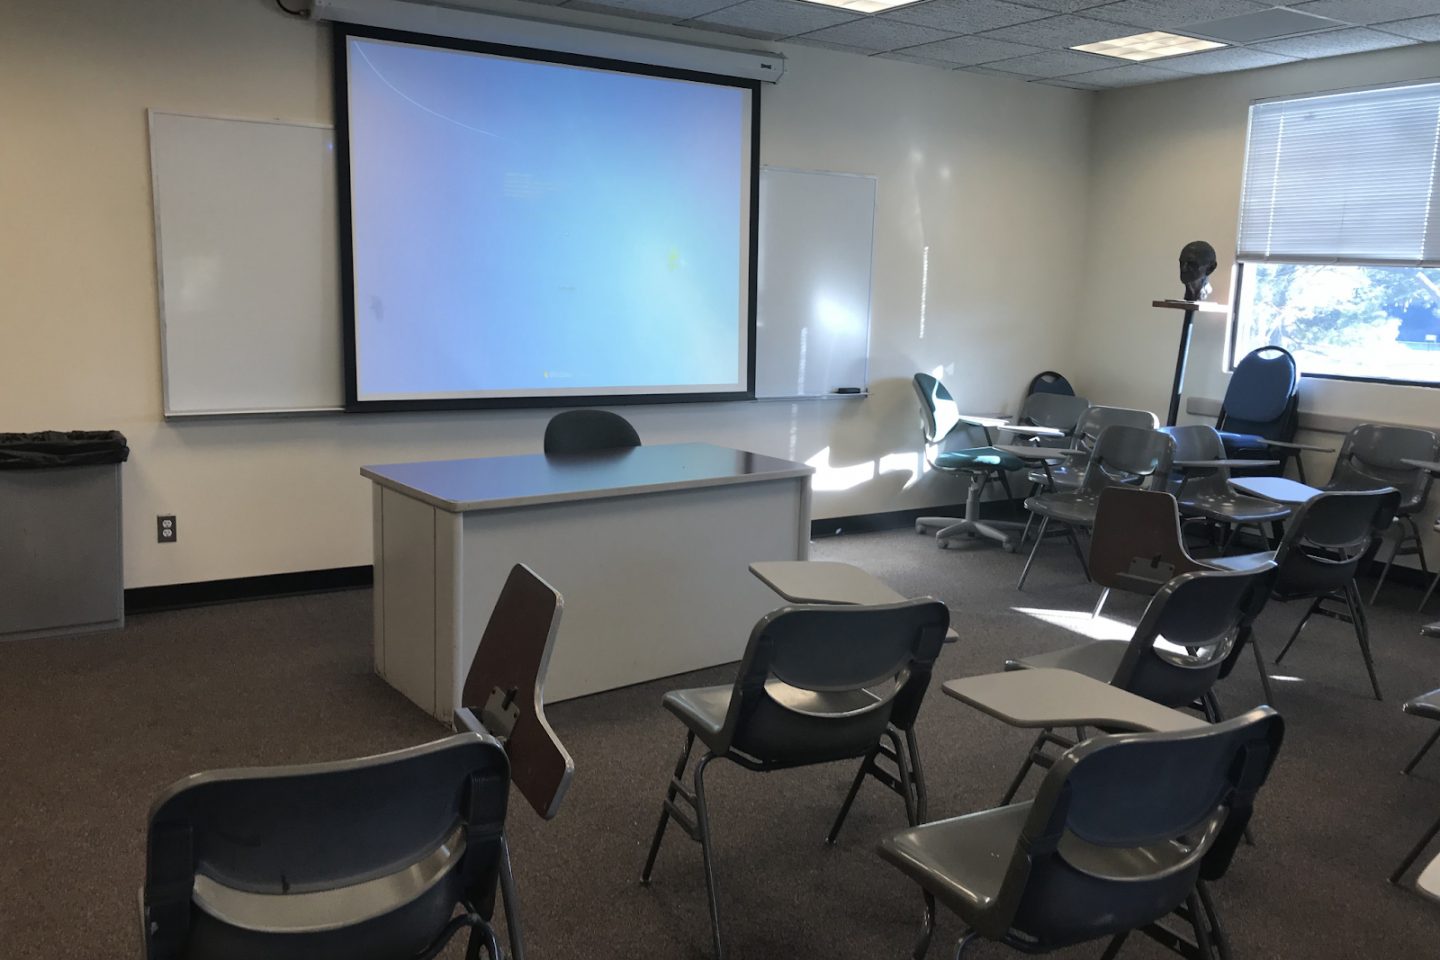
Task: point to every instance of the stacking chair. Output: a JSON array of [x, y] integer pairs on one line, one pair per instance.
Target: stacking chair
[[1048, 381], [1319, 556], [817, 684], [1261, 404], [588, 431], [1426, 705], [1175, 654], [364, 859], [1373, 456], [1068, 474], [504, 697], [1210, 496], [1136, 545], [1433, 580], [1126, 830], [1055, 410], [1121, 454], [939, 418]]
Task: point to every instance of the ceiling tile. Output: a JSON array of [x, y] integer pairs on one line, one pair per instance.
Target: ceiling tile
[[1127, 75], [1164, 14], [1369, 11], [1057, 32], [1067, 83], [1332, 43], [1420, 28], [911, 58], [1052, 63], [965, 51], [775, 18], [964, 16], [875, 34], [668, 10], [1223, 61], [1062, 6]]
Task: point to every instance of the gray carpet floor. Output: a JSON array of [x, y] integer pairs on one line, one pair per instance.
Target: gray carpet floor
[[91, 728]]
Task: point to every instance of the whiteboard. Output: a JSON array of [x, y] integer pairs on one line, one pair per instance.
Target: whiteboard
[[246, 255], [812, 319]]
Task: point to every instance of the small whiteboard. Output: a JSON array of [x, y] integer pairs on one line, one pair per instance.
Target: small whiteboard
[[246, 254], [817, 236]]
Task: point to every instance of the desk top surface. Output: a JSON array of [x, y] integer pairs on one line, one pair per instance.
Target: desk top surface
[[823, 581], [1063, 698], [493, 483], [1279, 489]]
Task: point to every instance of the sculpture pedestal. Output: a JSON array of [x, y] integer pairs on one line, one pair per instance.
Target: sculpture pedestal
[[1191, 307]]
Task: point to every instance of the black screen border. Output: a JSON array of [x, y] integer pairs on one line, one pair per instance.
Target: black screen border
[[342, 32]]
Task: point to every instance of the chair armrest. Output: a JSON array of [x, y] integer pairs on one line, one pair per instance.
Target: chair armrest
[[1063, 698], [1285, 445]]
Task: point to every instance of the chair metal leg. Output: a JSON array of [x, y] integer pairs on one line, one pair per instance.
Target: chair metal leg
[[1431, 589], [1314, 605], [927, 929], [917, 777], [1100, 603], [1039, 539], [851, 794], [702, 822], [1014, 787], [1423, 750], [511, 902], [670, 793], [970, 937], [1211, 706], [1113, 950], [1260, 666], [1197, 923], [1415, 852], [1362, 632], [1217, 932], [1079, 554]]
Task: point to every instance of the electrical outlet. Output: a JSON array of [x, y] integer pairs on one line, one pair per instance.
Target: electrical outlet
[[165, 529]]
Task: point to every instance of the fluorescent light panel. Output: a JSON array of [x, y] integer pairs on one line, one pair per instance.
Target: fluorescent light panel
[[1148, 46], [865, 6]]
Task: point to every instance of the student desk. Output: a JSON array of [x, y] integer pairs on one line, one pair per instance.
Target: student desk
[[647, 545]]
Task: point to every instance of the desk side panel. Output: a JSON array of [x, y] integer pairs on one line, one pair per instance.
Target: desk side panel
[[654, 585], [406, 596]]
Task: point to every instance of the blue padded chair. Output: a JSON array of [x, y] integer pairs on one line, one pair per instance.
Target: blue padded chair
[[1260, 405], [939, 416], [1048, 381]]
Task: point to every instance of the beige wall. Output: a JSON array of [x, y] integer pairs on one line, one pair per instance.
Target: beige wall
[[1166, 168], [987, 174]]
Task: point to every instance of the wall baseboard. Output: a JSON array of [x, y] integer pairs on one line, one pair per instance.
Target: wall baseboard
[[181, 595]]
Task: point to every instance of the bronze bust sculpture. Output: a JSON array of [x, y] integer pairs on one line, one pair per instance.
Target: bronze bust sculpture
[[1197, 262]]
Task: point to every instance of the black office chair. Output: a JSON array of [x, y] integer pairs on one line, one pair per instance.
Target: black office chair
[[817, 684], [588, 431], [1126, 830], [1048, 381], [1122, 454], [1373, 456], [1174, 656], [1261, 404], [1318, 558], [362, 859]]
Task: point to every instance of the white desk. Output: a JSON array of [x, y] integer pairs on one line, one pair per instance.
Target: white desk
[[648, 546]]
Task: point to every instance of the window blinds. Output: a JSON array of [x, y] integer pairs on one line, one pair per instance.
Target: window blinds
[[1344, 178]]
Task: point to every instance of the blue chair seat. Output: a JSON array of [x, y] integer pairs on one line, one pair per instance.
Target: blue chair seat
[[1240, 444], [978, 458]]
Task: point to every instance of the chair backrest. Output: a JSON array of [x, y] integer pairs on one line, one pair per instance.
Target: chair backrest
[[1262, 395], [1196, 441], [1123, 453], [1136, 544], [1060, 411], [1048, 381], [504, 692], [365, 859], [821, 682], [1188, 630], [1094, 421], [588, 431], [1124, 825], [1328, 536], [1372, 456], [938, 411]]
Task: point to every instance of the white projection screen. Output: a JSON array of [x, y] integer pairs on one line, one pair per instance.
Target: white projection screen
[[523, 228]]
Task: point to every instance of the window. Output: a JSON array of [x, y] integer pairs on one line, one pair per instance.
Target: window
[[1339, 248]]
